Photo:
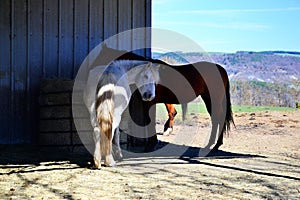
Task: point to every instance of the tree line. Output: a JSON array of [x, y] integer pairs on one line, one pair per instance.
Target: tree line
[[257, 93]]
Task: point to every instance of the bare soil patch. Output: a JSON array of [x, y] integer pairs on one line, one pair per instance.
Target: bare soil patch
[[260, 159]]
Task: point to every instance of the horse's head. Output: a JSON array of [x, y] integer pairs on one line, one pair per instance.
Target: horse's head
[[147, 79]]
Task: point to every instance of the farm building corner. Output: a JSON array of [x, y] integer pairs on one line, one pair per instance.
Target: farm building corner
[[48, 39]]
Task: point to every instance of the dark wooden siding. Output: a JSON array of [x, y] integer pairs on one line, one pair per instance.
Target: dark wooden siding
[[43, 39]]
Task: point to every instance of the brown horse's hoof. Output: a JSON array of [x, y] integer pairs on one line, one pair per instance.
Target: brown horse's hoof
[[168, 132], [215, 149]]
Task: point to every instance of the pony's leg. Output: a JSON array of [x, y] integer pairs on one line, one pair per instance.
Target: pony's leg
[[109, 159], [117, 152], [106, 147], [97, 151], [168, 127], [124, 124], [116, 139]]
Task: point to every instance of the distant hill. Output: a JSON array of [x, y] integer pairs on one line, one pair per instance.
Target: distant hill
[[269, 72], [266, 66]]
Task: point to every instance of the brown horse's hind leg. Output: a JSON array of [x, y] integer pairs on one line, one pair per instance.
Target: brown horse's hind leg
[[216, 134], [215, 120], [219, 141], [168, 127]]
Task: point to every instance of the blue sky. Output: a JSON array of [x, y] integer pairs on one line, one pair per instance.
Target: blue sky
[[232, 25]]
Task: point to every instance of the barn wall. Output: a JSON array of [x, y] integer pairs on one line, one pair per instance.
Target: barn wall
[[42, 39]]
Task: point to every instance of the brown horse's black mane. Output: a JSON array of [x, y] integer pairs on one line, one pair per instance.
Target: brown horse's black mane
[[133, 56]]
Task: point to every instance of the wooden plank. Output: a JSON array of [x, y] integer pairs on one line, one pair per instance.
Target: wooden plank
[[35, 60], [66, 42], [111, 21], [55, 139], [55, 112], [81, 42], [96, 23], [148, 24], [5, 58], [19, 50], [55, 125], [148, 13], [125, 23], [138, 20], [51, 38]]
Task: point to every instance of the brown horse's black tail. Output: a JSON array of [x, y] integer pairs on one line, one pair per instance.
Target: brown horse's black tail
[[229, 118]]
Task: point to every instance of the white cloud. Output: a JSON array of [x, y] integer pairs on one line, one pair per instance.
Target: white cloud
[[160, 2], [229, 25], [234, 11]]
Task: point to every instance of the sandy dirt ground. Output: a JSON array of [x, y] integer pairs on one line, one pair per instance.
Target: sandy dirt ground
[[260, 159]]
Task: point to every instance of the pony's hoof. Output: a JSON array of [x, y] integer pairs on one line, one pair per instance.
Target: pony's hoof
[[110, 162], [96, 167], [97, 164], [119, 156]]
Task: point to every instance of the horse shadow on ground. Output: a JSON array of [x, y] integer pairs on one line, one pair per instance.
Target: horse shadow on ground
[[183, 152], [180, 154], [18, 155], [27, 158]]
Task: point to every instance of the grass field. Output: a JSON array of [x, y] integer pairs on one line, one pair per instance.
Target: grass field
[[197, 108]]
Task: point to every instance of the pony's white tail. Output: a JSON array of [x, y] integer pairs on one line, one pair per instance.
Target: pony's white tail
[[105, 112]]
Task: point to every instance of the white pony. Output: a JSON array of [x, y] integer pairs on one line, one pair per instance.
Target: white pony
[[107, 95]]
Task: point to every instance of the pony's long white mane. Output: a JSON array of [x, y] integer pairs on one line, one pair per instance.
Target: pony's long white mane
[[128, 64], [120, 67], [135, 66]]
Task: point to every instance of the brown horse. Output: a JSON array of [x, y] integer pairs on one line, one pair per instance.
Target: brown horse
[[183, 83]]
